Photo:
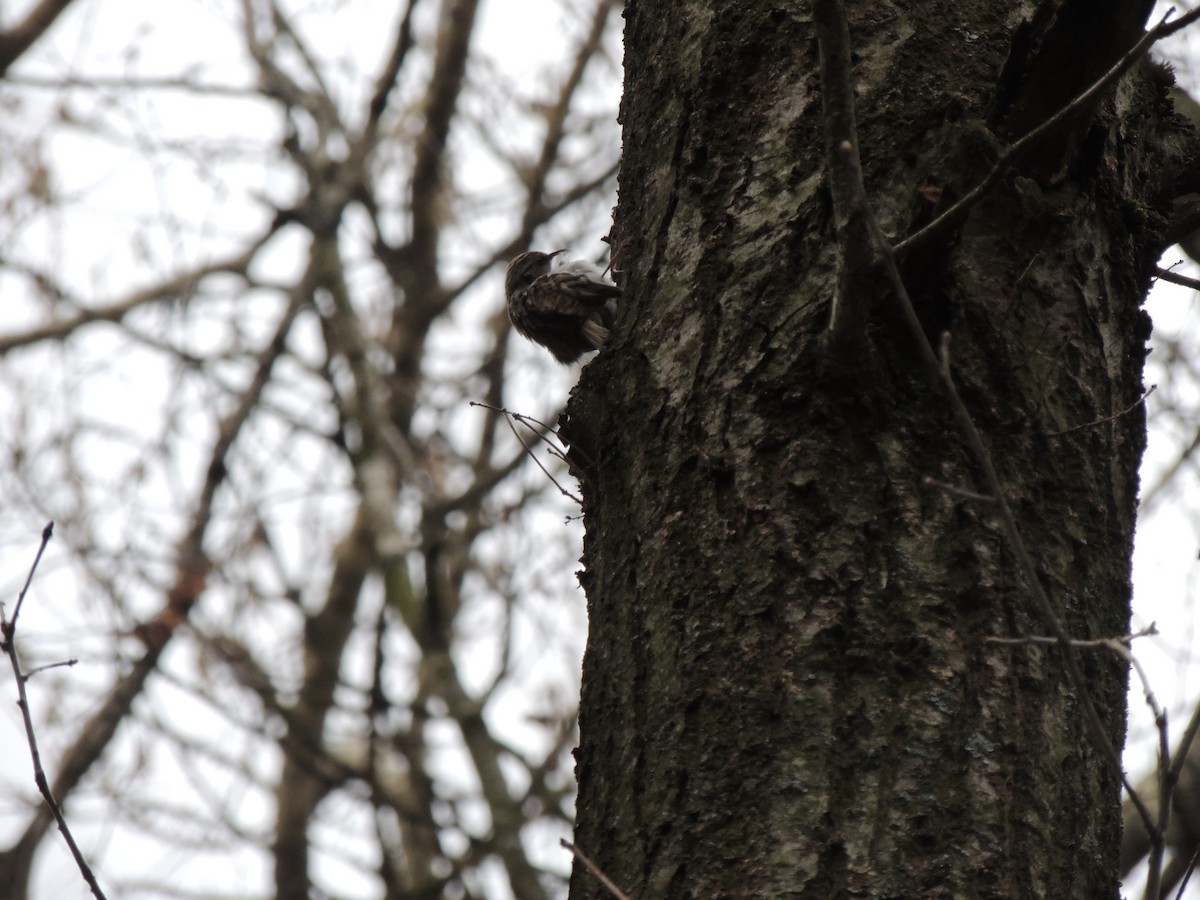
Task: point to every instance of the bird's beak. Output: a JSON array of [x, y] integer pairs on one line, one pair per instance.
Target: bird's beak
[[556, 252]]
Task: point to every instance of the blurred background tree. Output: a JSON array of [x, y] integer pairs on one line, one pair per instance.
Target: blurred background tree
[[327, 631]]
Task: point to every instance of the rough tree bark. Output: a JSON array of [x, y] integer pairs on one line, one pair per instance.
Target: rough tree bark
[[789, 688]]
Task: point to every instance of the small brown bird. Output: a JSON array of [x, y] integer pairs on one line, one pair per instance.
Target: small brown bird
[[562, 304]]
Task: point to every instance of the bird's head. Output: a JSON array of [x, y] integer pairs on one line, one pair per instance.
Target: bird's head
[[527, 268]]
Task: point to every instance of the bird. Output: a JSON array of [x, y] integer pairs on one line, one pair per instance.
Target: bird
[[563, 304]]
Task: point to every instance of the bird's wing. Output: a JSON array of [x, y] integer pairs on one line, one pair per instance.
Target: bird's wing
[[570, 294]]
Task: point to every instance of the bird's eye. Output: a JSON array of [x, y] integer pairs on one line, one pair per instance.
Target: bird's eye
[[529, 274]]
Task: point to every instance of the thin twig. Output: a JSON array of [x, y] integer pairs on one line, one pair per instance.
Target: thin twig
[[518, 418], [8, 642], [1150, 630], [1167, 275], [1126, 411], [1183, 882], [60, 664], [595, 870], [1120, 646], [1170, 778], [541, 431], [562, 490], [956, 491], [1185, 744], [10, 628], [848, 319]]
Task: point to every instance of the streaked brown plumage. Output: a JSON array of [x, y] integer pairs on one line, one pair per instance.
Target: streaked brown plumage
[[561, 304]]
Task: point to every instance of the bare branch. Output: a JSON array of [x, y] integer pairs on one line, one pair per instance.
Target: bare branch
[[1175, 278], [8, 642], [15, 41], [175, 288], [849, 343], [595, 870]]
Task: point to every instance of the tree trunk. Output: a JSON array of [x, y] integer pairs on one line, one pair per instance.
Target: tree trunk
[[789, 688]]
